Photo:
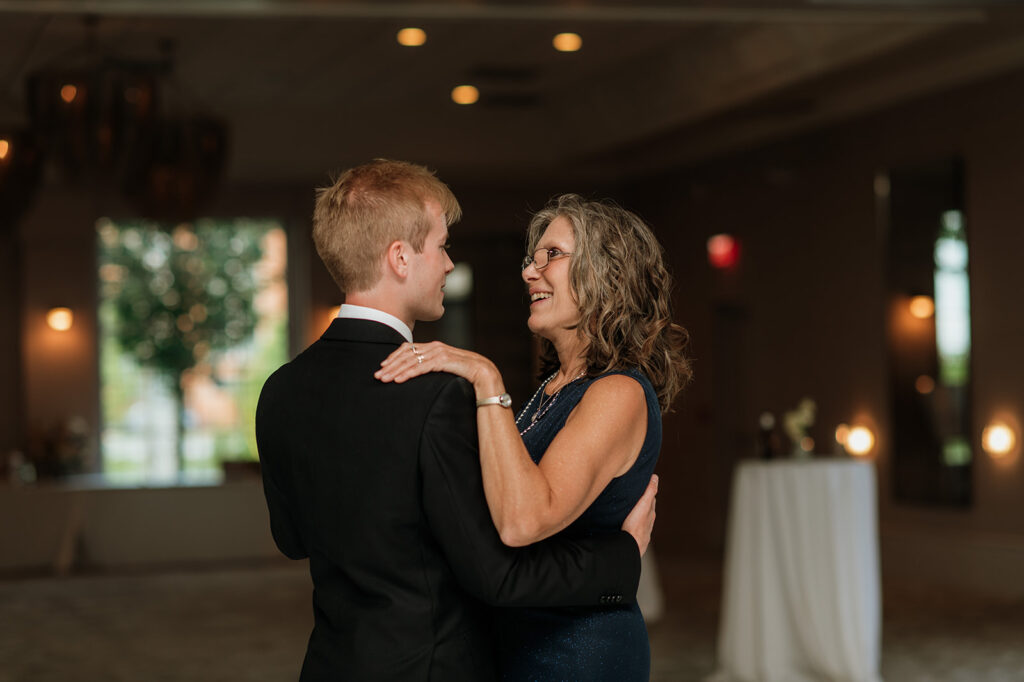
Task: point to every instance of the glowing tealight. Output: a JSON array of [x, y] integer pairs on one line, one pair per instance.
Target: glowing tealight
[[411, 37], [922, 307], [998, 439], [5, 147], [860, 440], [842, 433], [567, 42], [59, 319], [465, 94], [68, 93]]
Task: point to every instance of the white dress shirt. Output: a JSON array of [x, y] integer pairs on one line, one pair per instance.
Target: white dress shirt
[[358, 312]]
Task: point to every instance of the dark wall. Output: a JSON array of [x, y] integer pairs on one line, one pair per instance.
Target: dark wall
[[804, 315], [801, 316]]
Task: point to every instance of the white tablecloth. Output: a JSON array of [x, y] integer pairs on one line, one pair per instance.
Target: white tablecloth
[[801, 597]]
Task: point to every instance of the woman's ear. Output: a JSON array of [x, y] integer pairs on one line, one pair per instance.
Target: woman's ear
[[397, 258]]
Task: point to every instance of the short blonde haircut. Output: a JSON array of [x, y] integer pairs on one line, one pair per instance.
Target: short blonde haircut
[[369, 207], [624, 293]]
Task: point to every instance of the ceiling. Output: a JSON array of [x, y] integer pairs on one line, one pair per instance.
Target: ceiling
[[314, 85]]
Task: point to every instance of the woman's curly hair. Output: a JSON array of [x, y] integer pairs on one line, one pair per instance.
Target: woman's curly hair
[[623, 290]]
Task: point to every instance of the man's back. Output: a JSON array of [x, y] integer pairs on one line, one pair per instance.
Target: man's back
[[379, 485]]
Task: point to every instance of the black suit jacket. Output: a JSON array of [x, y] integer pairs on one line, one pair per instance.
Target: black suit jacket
[[379, 486]]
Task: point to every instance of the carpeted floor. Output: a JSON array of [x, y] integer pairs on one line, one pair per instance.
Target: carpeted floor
[[250, 624]]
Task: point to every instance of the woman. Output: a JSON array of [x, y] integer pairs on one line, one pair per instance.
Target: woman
[[580, 453]]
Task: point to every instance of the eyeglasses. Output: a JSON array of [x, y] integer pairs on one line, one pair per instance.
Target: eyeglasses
[[541, 258]]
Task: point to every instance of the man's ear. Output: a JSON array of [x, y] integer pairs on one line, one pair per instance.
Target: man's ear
[[397, 258]]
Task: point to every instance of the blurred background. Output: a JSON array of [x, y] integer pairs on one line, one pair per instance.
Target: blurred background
[[838, 186]]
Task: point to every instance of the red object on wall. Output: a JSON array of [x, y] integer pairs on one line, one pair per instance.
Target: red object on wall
[[723, 251]]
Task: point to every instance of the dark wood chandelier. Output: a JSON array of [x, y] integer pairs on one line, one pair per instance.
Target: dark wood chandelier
[[103, 119]]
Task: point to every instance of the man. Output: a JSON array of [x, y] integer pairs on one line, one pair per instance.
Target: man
[[379, 484]]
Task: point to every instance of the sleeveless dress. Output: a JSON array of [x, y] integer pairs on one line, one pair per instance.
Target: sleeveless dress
[[582, 643]]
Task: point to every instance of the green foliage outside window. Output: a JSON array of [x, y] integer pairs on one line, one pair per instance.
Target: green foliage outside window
[[193, 319]]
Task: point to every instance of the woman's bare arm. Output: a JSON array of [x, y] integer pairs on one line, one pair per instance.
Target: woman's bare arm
[[600, 440]]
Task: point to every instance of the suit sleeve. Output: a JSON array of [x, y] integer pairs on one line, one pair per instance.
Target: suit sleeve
[[282, 522], [559, 571]]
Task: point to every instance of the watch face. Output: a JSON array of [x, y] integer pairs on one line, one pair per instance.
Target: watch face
[[505, 400]]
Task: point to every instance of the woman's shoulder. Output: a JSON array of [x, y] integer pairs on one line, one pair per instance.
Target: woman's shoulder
[[624, 388], [622, 377], [631, 382]]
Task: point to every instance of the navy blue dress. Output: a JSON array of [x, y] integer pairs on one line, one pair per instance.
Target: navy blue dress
[[584, 643]]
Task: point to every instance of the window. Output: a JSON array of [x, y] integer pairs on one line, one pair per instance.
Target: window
[[193, 319]]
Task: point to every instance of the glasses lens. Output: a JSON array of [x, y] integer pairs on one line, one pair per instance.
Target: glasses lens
[[539, 259]]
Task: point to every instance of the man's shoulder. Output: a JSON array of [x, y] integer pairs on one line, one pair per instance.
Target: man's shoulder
[[449, 386]]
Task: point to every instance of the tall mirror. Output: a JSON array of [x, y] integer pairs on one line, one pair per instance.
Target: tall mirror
[[928, 331]]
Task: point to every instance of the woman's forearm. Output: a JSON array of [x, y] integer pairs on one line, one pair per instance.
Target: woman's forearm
[[518, 494]]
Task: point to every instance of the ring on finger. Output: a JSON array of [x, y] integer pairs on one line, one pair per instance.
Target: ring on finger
[[419, 358]]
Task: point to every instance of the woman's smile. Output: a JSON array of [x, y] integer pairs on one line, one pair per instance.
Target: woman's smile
[[538, 296]]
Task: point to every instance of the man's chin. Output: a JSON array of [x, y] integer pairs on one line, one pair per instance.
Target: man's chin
[[431, 316]]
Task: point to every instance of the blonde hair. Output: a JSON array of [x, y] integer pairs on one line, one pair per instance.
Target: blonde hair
[[623, 291], [369, 207]]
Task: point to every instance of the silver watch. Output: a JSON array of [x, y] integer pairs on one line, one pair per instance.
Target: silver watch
[[505, 400]]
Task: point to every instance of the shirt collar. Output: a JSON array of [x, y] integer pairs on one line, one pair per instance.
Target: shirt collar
[[358, 312]]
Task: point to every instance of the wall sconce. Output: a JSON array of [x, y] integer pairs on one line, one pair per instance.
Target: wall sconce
[[922, 307], [60, 319], [998, 439]]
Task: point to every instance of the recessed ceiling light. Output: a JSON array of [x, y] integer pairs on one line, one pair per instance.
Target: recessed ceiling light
[[412, 37], [567, 42], [465, 94]]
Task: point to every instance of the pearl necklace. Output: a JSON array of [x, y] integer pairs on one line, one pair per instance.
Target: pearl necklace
[[543, 407]]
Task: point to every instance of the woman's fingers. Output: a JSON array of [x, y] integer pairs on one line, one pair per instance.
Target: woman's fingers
[[411, 360], [403, 351], [640, 522]]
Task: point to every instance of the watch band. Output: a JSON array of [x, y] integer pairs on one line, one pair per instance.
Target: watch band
[[504, 400]]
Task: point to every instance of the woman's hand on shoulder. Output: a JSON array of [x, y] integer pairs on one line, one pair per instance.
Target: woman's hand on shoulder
[[414, 359]]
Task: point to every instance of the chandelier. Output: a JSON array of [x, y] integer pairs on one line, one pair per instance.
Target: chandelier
[[107, 120], [175, 167]]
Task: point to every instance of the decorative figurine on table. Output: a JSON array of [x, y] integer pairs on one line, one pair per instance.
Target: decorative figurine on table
[[795, 423]]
